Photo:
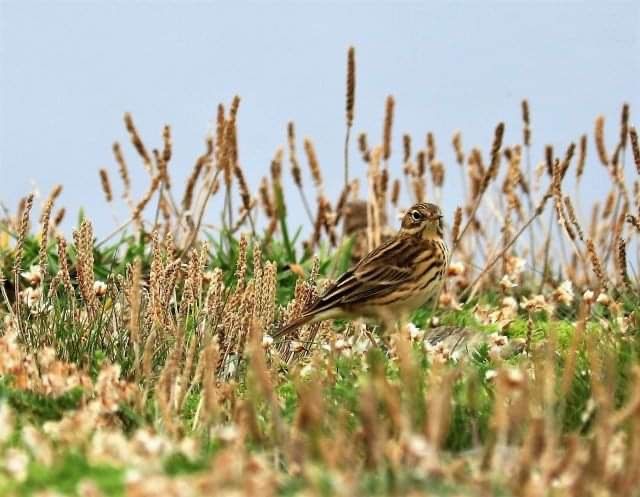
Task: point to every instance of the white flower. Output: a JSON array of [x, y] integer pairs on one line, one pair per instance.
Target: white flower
[[6, 422], [189, 448], [16, 462], [490, 374], [437, 353], [341, 344], [37, 444], [506, 283], [456, 269], [414, 331], [535, 303], [227, 433], [623, 324], [564, 293], [32, 296], [588, 297], [449, 301], [267, 341], [515, 265], [34, 275], [510, 303], [150, 443], [99, 288], [514, 377], [604, 299], [498, 340]]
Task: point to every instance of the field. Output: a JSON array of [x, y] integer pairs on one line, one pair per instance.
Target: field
[[142, 363]]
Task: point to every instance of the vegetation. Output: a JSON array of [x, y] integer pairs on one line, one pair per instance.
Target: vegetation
[[143, 363]]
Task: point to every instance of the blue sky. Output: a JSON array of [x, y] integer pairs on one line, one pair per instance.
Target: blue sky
[[68, 72]]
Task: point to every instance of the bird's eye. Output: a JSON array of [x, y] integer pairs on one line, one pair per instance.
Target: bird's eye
[[416, 216]]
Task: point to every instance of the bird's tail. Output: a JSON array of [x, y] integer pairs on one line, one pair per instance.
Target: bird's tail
[[296, 323]]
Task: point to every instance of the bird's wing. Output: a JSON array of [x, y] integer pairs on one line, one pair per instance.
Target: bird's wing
[[378, 274]]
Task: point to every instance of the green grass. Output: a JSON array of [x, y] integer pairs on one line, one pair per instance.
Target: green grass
[[87, 343], [65, 475]]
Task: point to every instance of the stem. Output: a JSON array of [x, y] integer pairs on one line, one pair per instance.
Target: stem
[[472, 288], [547, 246], [194, 232], [114, 233], [470, 219], [305, 202], [346, 156]]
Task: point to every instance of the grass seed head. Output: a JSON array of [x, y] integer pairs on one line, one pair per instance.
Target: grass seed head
[[635, 147], [351, 85], [600, 143], [526, 131], [457, 147], [388, 126], [314, 165], [137, 142], [106, 185], [582, 157]]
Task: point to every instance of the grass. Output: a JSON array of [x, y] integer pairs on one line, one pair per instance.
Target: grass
[[143, 363]]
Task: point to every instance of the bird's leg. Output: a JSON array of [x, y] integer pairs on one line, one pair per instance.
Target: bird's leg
[[402, 322], [366, 331], [389, 325]]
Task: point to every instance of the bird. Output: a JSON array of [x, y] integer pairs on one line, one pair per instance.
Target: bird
[[390, 282]]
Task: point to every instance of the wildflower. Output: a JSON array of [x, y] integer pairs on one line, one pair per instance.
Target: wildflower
[[564, 293], [498, 340], [6, 422], [34, 275], [535, 303], [418, 446], [16, 462], [515, 266], [588, 297], [604, 299], [31, 296], [340, 344], [509, 306], [37, 444], [99, 288], [514, 378], [267, 341], [623, 323], [189, 448], [497, 343], [456, 269], [506, 283], [490, 374], [414, 331], [227, 433], [437, 353], [449, 301]]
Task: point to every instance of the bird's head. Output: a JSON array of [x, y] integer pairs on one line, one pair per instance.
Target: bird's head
[[424, 219]]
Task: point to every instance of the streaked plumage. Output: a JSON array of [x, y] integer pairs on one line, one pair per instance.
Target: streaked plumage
[[391, 281]]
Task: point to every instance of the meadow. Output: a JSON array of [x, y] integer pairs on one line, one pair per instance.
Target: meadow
[[142, 363]]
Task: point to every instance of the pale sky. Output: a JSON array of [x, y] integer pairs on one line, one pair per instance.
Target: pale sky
[[69, 70]]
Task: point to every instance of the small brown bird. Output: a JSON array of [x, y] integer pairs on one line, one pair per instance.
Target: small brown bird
[[391, 281]]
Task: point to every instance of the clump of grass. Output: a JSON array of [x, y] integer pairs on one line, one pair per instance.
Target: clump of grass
[[153, 355]]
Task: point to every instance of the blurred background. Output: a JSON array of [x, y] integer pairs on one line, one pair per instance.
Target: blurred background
[[69, 71]]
